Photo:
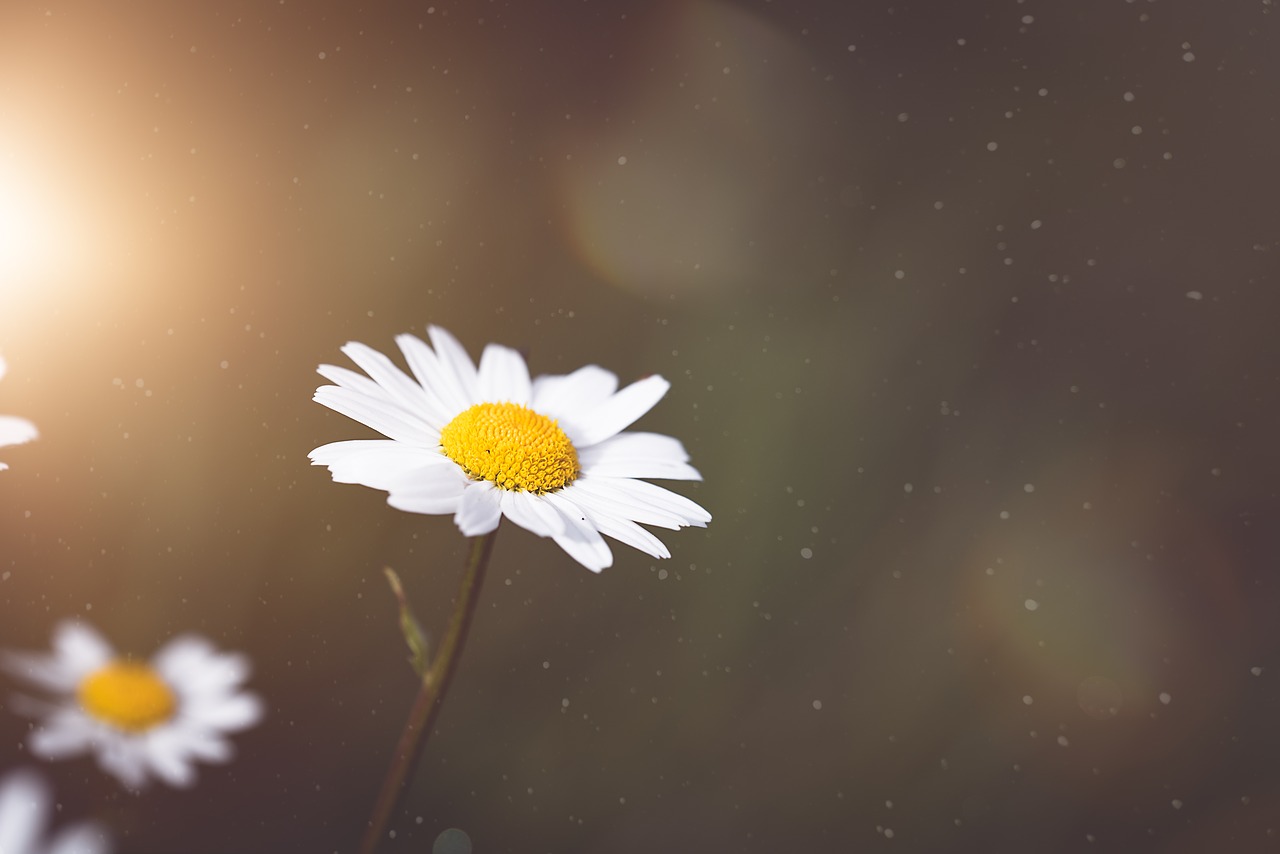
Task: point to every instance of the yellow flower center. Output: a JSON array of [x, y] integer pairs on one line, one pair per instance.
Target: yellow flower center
[[128, 696], [511, 445]]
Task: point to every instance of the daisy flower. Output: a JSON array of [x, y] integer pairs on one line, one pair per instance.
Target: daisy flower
[[481, 443], [140, 719], [13, 431], [24, 811]]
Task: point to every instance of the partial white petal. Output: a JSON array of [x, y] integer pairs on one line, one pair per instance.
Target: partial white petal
[[4, 367], [198, 672], [605, 495], [503, 376], [628, 532], [437, 380], [15, 431], [81, 649], [580, 539], [561, 396], [454, 358], [347, 378], [644, 494], [479, 510], [586, 428], [184, 658], [532, 512], [24, 809], [64, 735], [207, 745], [432, 491], [125, 761], [398, 385], [638, 455], [387, 417], [431, 409], [228, 714], [377, 463], [47, 671], [85, 837], [165, 754]]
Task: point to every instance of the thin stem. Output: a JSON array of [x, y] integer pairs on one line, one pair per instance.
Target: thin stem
[[430, 693]]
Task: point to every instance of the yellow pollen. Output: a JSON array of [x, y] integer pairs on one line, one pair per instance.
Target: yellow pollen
[[128, 696], [511, 445]]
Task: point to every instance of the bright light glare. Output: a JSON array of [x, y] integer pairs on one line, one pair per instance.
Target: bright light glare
[[31, 230]]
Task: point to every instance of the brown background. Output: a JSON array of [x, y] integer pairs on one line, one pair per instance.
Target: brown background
[[969, 312]]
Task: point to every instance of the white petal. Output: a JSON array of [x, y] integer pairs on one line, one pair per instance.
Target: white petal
[[386, 416], [165, 754], [642, 493], [15, 431], [455, 360], [228, 714], [429, 407], [479, 510], [638, 455], [560, 396], [207, 745], [63, 735], [628, 532], [24, 809], [198, 672], [4, 367], [580, 539], [125, 761], [614, 415], [503, 376], [605, 495], [397, 383], [347, 378], [375, 462], [436, 379], [44, 670], [81, 649], [432, 491], [532, 512]]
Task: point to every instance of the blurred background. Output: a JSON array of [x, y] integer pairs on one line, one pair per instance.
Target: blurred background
[[968, 311]]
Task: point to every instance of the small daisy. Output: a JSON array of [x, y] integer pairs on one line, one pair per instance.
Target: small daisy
[[24, 811], [141, 719], [13, 431], [549, 454]]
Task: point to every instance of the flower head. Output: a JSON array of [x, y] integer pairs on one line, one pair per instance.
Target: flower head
[[481, 443], [141, 719], [13, 430], [24, 811]]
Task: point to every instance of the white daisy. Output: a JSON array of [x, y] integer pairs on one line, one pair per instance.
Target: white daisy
[[549, 454], [24, 811], [141, 719], [13, 431]]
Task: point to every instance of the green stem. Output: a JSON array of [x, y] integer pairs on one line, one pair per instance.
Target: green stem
[[430, 693]]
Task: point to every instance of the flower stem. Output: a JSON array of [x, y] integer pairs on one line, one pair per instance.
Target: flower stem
[[435, 681]]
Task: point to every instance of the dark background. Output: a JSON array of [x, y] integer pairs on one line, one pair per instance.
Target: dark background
[[969, 313]]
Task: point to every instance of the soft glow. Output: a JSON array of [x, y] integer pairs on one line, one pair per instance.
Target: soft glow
[[30, 228]]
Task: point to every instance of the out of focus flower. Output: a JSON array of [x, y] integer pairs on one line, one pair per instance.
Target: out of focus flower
[[141, 720], [13, 431], [549, 454], [24, 812]]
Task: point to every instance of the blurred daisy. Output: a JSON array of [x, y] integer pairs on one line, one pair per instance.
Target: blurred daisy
[[13, 431], [142, 720], [549, 454], [24, 811]]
